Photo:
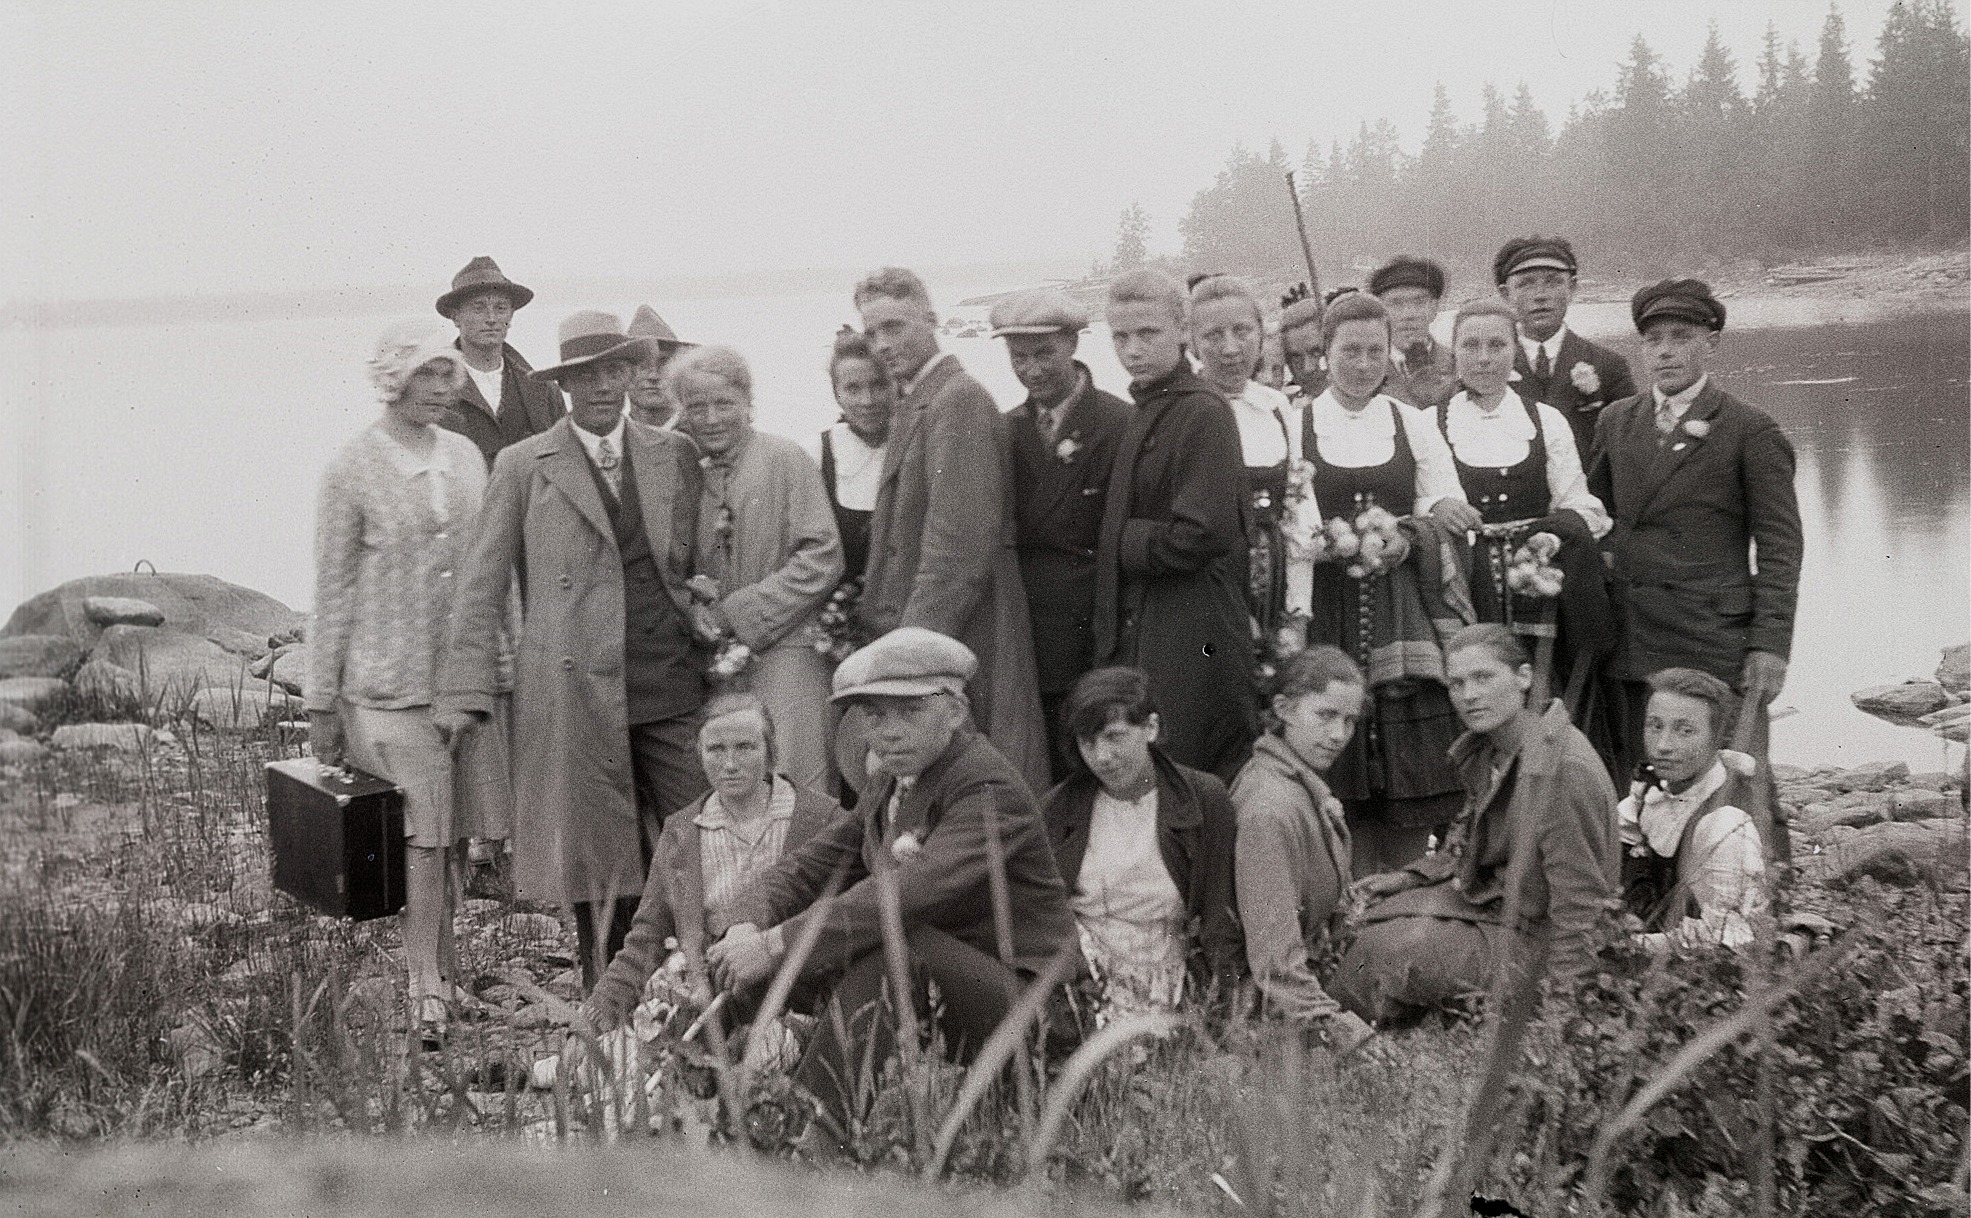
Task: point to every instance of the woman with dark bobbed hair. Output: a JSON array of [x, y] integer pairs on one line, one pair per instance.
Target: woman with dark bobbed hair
[[852, 450], [1145, 846]]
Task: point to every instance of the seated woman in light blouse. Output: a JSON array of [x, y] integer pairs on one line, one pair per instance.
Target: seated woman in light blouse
[[708, 851], [1517, 462], [1145, 846], [1370, 450], [397, 514], [1692, 866]]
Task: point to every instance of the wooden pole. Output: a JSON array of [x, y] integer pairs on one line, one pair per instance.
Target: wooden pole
[[1306, 247]]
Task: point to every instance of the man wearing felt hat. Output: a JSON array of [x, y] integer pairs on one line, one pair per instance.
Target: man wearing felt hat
[[1537, 276], [1698, 483], [649, 403], [1064, 439], [939, 794], [596, 517], [1421, 372], [500, 403]]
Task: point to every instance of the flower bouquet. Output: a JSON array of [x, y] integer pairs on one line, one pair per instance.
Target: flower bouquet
[[834, 633], [1370, 544], [729, 656], [1531, 570], [1300, 521]]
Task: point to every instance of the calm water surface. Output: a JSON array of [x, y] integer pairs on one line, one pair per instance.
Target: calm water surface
[[198, 447]]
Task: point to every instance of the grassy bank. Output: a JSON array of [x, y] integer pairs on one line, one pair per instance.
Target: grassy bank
[[154, 987]]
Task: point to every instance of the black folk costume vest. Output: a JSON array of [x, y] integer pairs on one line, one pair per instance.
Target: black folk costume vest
[[1516, 492], [661, 674], [1397, 764], [853, 524], [1266, 571]]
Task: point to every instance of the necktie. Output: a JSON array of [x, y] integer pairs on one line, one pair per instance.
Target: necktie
[[1666, 418], [1542, 367], [610, 464]]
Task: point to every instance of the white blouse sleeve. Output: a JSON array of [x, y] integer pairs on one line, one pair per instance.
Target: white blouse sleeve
[[1566, 481], [1728, 881], [1437, 473]]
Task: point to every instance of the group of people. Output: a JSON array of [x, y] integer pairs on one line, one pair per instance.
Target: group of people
[[1170, 683]]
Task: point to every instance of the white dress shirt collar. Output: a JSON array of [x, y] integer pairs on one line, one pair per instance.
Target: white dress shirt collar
[[590, 441], [1533, 347], [1680, 402]]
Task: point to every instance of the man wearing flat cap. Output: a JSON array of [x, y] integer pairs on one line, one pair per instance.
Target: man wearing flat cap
[[1421, 372], [1064, 439], [940, 794], [501, 403], [596, 518], [1537, 276], [1706, 544], [649, 403]]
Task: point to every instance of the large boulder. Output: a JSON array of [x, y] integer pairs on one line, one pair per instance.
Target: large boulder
[[1905, 853], [104, 681], [33, 694], [239, 710], [190, 604], [38, 655], [1901, 704], [21, 752], [17, 718], [1954, 670], [123, 737], [290, 668], [170, 662]]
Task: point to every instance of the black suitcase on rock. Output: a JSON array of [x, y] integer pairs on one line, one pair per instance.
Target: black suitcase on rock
[[338, 838]]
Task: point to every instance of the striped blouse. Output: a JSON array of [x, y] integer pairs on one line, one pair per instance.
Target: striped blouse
[[391, 530]]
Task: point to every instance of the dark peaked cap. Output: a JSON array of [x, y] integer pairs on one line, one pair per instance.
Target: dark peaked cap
[[1531, 253], [1408, 271], [1683, 299]]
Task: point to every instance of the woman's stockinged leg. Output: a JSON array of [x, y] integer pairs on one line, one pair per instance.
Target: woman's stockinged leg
[[430, 948]]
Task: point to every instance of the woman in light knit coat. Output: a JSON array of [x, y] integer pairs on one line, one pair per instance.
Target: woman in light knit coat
[[396, 516]]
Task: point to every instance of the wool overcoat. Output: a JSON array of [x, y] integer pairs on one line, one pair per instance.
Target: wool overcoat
[[1688, 512], [1171, 573], [1558, 389], [576, 832], [941, 552]]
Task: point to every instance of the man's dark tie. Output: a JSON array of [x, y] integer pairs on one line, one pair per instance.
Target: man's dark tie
[[1542, 367]]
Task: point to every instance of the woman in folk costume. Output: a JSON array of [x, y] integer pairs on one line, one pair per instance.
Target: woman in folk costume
[[1535, 567], [398, 509], [1388, 590], [768, 555], [852, 450], [1228, 332], [1693, 868]]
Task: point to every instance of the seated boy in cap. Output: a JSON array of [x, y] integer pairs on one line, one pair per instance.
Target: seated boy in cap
[[1421, 371], [1697, 481], [938, 788], [1537, 276]]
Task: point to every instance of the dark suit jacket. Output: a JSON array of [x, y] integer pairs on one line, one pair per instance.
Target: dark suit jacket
[[527, 407], [1171, 581], [952, 810], [1559, 391], [1686, 516], [1426, 385], [1057, 504], [1196, 829], [674, 900]]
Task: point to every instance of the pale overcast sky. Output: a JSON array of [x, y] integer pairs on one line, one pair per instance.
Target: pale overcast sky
[[187, 145]]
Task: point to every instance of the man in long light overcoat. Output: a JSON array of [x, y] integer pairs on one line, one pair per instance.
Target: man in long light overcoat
[[941, 550], [597, 519]]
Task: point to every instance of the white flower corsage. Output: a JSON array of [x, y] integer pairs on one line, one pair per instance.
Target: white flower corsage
[[906, 847], [1585, 378], [1696, 429], [1066, 449]]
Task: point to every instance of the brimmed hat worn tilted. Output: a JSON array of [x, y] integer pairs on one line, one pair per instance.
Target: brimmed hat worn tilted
[[645, 323], [589, 337], [482, 274]]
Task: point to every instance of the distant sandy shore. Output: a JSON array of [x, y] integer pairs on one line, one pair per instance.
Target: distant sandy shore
[[1888, 284]]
